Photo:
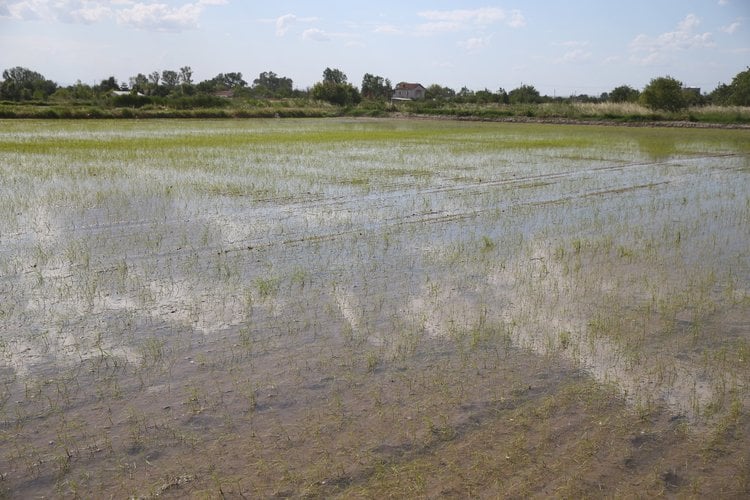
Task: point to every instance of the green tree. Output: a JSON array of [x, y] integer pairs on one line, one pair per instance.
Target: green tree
[[140, 83], [721, 95], [222, 81], [436, 91], [623, 93], [186, 81], [186, 75], [502, 96], [740, 89], [81, 91], [465, 92], [341, 94], [22, 83], [692, 97], [153, 87], [206, 86], [232, 80], [525, 94], [269, 84], [170, 78], [664, 93], [109, 84], [376, 87], [335, 89], [334, 76]]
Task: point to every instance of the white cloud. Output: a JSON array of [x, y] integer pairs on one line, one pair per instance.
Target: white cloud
[[575, 56], [730, 29], [144, 14], [443, 64], [486, 15], [723, 2], [315, 34], [473, 17], [30, 10], [576, 51], [648, 60], [650, 50], [516, 19], [438, 27], [612, 60], [474, 44], [161, 17], [388, 29], [90, 12], [691, 21], [283, 23], [573, 43]]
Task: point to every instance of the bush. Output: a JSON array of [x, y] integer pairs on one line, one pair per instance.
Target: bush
[[130, 101], [341, 94], [664, 93], [95, 113], [525, 94], [197, 101], [624, 93]]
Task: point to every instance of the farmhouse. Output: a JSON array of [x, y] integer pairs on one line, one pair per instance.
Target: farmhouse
[[410, 91], [126, 92]]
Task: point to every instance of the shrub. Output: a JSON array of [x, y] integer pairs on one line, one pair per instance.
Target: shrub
[[664, 93], [198, 101], [130, 101], [341, 94]]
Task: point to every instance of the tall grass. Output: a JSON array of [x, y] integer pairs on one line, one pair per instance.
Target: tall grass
[[615, 112]]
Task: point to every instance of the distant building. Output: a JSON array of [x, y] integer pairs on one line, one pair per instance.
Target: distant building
[[126, 92], [693, 90], [408, 91]]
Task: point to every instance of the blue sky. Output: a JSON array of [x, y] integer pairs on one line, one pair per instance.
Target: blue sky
[[562, 48]]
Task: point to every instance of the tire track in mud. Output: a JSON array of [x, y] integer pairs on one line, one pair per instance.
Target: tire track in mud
[[355, 204], [358, 205], [270, 206], [391, 200]]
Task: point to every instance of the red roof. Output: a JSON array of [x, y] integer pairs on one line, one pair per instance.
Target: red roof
[[409, 86]]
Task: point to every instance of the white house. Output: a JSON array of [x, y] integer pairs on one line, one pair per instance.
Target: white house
[[408, 91], [126, 92]]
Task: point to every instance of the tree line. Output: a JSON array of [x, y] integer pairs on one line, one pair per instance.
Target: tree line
[[178, 88]]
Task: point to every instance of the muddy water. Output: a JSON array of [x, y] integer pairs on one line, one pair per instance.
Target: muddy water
[[299, 316]]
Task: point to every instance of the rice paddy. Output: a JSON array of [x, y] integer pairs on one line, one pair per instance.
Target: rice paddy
[[373, 308]]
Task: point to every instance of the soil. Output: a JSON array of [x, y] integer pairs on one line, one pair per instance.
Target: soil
[[467, 319]]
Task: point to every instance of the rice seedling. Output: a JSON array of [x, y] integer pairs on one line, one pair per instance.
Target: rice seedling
[[247, 305]]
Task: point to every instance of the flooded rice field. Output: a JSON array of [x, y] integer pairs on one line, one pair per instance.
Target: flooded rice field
[[373, 308]]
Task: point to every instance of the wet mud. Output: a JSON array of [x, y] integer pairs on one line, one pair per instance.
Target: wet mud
[[373, 308]]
